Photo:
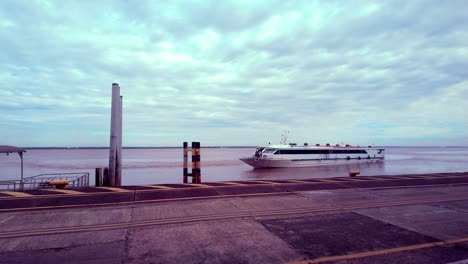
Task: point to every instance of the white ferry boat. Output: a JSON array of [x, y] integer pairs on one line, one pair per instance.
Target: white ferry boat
[[292, 155]]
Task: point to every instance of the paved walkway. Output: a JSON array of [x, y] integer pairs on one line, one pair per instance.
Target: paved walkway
[[403, 219]]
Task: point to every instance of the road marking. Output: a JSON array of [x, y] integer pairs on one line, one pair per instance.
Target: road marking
[[383, 251], [231, 183], [158, 187], [16, 194], [6, 219], [327, 180], [263, 182], [65, 191], [296, 181], [198, 185], [114, 189], [265, 213]]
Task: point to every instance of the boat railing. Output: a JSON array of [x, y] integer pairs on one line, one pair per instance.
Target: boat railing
[[42, 181]]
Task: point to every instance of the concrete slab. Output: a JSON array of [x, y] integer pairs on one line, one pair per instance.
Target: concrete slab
[[286, 181], [183, 209], [174, 193], [136, 187], [434, 255], [273, 202], [104, 253], [341, 234], [18, 203], [226, 242], [92, 190], [114, 189], [65, 191], [312, 187], [176, 185], [34, 243], [247, 189], [39, 192], [354, 196], [431, 220], [108, 198], [311, 180], [23, 221], [250, 182], [158, 187], [461, 206], [216, 183], [14, 194]]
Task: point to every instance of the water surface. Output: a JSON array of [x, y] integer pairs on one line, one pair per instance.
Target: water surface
[[147, 166]]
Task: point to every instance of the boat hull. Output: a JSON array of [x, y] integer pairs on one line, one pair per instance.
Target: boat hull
[[284, 163]]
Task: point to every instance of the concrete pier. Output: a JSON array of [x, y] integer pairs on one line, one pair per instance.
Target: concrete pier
[[397, 219]]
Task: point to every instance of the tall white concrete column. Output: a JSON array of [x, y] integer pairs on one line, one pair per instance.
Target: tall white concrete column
[[115, 159], [118, 178]]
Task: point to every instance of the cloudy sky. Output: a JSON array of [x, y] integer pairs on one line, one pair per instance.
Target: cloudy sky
[[234, 73]]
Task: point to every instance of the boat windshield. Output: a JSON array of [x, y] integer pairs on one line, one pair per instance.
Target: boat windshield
[[258, 152], [269, 151]]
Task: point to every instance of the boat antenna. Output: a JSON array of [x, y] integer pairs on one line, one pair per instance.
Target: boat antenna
[[284, 137]]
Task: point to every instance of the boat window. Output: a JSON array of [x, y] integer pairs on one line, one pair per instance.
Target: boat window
[[269, 151], [350, 151], [299, 151], [318, 151]]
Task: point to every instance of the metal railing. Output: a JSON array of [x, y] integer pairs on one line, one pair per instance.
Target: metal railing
[[42, 181], [10, 185]]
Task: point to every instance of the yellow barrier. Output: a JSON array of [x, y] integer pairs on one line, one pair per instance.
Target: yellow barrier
[[59, 184]]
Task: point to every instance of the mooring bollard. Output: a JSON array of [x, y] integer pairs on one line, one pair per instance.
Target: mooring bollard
[[196, 167], [98, 177]]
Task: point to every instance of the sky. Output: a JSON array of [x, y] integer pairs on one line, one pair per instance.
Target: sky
[[234, 73]]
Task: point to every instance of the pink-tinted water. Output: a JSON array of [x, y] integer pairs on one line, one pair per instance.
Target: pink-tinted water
[[150, 166]]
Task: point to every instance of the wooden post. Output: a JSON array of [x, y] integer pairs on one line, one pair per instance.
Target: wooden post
[[98, 181], [185, 162], [115, 143], [196, 168], [198, 153]]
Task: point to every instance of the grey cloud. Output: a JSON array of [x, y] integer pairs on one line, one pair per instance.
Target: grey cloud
[[334, 64]]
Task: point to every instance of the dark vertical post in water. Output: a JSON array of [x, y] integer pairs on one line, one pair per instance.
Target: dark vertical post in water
[[105, 177], [198, 153], [185, 162], [22, 177], [196, 170], [99, 177], [115, 159]]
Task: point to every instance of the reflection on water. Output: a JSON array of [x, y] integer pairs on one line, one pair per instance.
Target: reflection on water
[[146, 166], [315, 172], [398, 157]]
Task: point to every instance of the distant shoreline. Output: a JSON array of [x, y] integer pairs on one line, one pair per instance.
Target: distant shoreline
[[50, 148], [32, 148]]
